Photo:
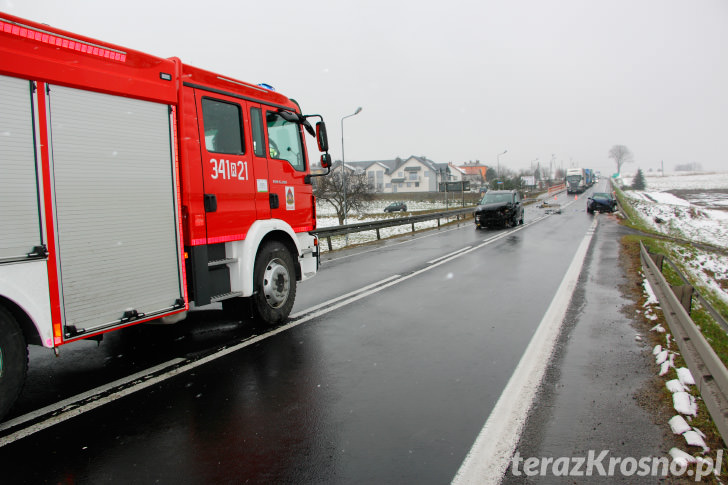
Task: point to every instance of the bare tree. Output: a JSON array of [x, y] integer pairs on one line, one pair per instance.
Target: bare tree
[[621, 155], [331, 190]]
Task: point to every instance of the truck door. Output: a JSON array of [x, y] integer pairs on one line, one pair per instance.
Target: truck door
[[227, 167], [291, 198]]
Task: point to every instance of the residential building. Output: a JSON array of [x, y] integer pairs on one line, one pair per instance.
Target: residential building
[[474, 172], [413, 174]]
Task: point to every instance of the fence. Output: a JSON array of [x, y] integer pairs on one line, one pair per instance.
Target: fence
[[557, 188]]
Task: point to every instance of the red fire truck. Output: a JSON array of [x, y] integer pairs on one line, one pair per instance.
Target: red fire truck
[[133, 188]]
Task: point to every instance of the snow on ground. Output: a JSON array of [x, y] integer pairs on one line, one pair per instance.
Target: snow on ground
[[709, 267], [674, 216], [682, 181], [376, 208]]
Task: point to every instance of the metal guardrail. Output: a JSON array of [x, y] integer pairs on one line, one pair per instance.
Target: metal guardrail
[[709, 372], [329, 232]]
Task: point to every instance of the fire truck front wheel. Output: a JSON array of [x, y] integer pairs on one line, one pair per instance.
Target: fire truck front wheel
[[13, 361], [275, 283]]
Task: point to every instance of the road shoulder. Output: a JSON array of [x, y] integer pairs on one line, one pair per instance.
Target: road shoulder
[[596, 392]]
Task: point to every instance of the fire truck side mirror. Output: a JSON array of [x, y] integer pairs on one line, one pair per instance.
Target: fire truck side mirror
[[325, 160], [323, 140]]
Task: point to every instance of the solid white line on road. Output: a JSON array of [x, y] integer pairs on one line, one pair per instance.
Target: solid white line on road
[[412, 239], [448, 255], [73, 406], [85, 395], [342, 297], [491, 453]]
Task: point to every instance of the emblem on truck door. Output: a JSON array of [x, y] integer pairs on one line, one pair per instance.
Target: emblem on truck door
[[290, 199]]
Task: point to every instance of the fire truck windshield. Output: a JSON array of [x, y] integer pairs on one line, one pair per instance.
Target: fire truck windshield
[[284, 141]]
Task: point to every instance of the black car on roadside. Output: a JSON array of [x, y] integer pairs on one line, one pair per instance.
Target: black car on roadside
[[396, 207], [499, 208], [601, 202]]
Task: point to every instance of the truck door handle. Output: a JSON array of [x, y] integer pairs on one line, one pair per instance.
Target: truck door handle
[[273, 199], [210, 203]]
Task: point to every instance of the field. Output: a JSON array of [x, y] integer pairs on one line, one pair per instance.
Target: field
[[693, 209]]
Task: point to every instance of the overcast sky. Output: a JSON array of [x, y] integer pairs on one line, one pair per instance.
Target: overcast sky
[[454, 80]]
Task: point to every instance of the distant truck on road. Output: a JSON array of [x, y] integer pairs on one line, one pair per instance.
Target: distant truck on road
[[589, 177], [576, 181]]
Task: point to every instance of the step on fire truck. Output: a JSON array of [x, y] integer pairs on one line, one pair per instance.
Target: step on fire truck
[[133, 188]]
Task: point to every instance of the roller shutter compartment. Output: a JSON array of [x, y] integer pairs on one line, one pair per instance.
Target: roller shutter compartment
[[19, 213], [115, 207]]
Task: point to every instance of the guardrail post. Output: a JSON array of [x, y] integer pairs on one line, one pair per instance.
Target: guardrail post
[[438, 223], [684, 293], [378, 237], [413, 227], [658, 259], [328, 241]]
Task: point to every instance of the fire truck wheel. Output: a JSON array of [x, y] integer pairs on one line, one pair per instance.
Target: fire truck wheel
[[275, 283], [13, 361]]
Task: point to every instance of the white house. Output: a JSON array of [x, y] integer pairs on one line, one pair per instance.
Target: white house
[[413, 174]]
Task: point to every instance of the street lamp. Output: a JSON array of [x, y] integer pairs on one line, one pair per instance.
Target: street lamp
[[497, 157], [343, 165]]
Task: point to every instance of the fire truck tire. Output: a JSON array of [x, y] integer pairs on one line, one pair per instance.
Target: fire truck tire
[[275, 283], [13, 361]]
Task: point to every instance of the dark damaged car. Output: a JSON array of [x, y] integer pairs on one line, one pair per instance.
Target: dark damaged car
[[601, 202], [499, 208]]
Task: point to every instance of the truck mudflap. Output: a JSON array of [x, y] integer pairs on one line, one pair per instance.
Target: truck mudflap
[[309, 259]]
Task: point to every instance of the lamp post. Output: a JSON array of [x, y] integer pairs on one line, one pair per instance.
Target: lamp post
[[343, 164], [497, 157]]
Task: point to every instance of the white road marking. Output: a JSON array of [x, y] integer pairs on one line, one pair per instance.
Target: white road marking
[[491, 453], [434, 233], [342, 297], [448, 255]]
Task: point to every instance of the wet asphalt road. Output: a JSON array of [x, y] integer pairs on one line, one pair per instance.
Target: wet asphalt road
[[390, 386]]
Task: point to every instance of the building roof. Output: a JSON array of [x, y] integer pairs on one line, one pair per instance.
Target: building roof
[[391, 166], [474, 169]]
